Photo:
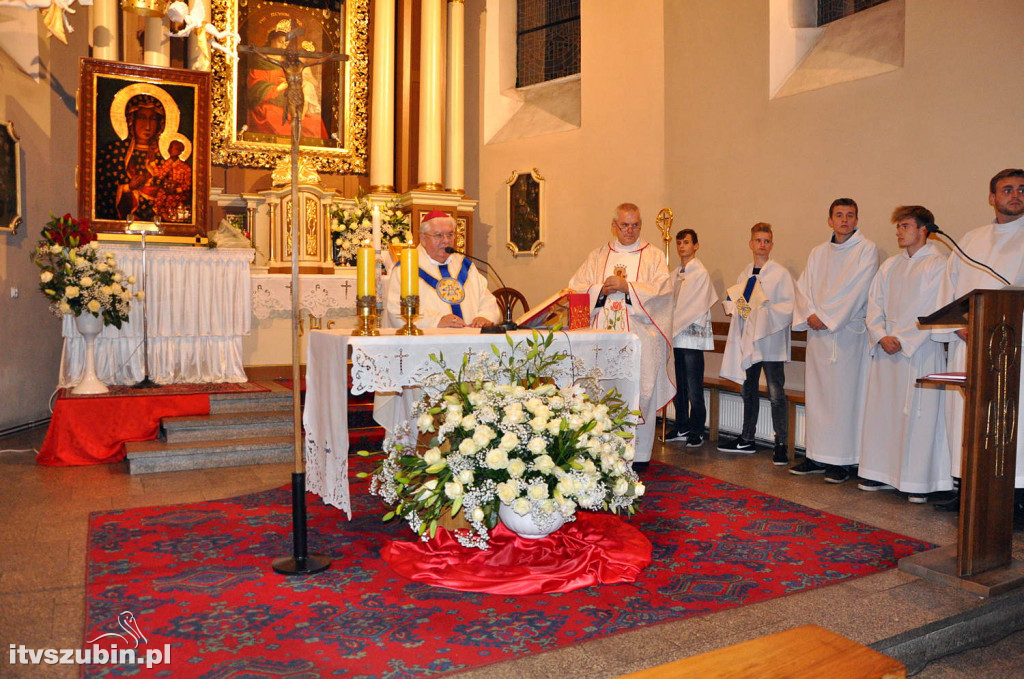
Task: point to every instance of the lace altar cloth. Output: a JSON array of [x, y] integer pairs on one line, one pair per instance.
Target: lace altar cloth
[[319, 294], [198, 314], [393, 363]]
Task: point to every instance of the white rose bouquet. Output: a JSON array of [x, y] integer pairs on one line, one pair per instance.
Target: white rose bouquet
[[351, 226], [76, 277], [501, 433]]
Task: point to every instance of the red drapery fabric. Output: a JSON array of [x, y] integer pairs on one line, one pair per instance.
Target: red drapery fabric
[[94, 430], [595, 549]]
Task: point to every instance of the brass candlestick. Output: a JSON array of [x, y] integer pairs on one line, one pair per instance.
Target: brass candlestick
[[410, 309], [366, 316]]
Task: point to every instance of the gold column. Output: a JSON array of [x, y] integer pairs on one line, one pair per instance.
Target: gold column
[[103, 29], [382, 127], [198, 44], [455, 122], [431, 94], [157, 45]]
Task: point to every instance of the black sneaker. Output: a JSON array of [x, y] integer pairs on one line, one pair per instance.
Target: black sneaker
[[737, 445], [781, 456], [694, 441], [917, 499], [677, 436], [806, 467], [869, 485], [838, 474]]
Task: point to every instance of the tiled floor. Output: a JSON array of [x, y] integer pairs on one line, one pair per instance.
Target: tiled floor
[[42, 557]]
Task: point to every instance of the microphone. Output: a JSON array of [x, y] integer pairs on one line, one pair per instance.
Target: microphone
[[508, 324], [933, 228]]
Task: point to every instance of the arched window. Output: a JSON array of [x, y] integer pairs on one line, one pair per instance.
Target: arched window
[[547, 40]]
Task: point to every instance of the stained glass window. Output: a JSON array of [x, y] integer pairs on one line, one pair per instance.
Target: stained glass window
[[830, 10], [547, 40]]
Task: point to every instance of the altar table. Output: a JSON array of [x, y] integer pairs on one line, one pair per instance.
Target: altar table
[[391, 363], [319, 294], [198, 302]]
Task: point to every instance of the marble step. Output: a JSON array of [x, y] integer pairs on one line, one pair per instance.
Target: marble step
[[149, 457], [251, 402], [222, 426]]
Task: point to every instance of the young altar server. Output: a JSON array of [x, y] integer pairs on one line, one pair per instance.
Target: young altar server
[[761, 310], [832, 295], [903, 445], [691, 336]]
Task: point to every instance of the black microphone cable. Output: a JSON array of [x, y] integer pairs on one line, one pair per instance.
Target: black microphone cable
[[933, 228]]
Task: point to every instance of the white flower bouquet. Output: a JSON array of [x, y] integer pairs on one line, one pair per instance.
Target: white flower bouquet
[[501, 433], [76, 277], [351, 226]]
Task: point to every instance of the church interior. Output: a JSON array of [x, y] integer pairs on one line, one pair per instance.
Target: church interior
[[721, 115]]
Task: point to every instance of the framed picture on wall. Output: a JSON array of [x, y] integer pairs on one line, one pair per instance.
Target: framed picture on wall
[[525, 197], [144, 147], [251, 124], [10, 179]]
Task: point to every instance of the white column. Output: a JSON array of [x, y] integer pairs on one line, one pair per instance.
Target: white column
[[157, 46], [103, 29], [431, 94], [455, 122], [199, 55], [382, 127]]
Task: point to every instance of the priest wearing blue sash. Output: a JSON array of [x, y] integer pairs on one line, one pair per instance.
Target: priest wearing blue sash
[[453, 293]]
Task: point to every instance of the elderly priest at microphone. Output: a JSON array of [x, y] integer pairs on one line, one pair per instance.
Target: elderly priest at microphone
[[453, 293]]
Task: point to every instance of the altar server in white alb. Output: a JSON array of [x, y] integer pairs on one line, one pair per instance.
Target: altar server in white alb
[[832, 298], [904, 445], [691, 337], [1000, 245], [761, 308], [453, 293], [630, 291]]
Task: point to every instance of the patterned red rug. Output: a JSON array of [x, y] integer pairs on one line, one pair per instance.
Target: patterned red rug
[[173, 390], [198, 582]]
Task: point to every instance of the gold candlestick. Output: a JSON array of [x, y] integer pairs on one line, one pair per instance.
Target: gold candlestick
[[410, 309], [366, 316]]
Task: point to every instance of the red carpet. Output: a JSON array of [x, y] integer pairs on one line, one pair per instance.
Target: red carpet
[[118, 391], [197, 578]]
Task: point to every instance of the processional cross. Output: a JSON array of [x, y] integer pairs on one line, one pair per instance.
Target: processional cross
[[292, 61]]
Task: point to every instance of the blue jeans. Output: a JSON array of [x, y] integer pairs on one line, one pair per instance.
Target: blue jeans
[[689, 402], [775, 376]]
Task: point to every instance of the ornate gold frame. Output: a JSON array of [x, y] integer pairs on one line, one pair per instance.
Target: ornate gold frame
[[519, 209], [10, 171], [350, 158]]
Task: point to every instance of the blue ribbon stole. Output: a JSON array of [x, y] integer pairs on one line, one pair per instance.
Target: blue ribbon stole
[[462, 277], [749, 290]]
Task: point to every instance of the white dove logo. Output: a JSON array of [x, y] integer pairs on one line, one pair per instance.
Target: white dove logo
[[126, 621]]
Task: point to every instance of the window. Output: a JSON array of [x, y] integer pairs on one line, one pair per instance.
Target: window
[[547, 40], [831, 10]]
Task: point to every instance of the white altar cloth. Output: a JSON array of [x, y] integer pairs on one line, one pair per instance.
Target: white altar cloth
[[198, 312], [391, 363], [319, 294]]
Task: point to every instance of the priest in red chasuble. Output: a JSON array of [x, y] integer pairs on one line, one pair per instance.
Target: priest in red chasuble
[[631, 291]]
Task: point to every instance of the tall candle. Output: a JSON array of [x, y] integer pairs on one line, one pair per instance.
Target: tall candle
[[366, 282], [410, 270], [376, 227]]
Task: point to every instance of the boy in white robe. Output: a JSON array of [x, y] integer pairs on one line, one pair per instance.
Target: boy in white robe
[[832, 295], [630, 291], [691, 337], [1000, 245], [761, 310], [904, 444]]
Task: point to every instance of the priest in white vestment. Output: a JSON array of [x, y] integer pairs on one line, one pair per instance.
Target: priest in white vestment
[[832, 295], [630, 291], [761, 308], [1000, 245], [904, 444], [693, 297]]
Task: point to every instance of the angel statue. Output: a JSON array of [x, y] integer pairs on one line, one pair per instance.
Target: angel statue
[[195, 17]]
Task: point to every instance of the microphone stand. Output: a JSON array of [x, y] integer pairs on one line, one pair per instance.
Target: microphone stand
[[142, 229], [933, 228], [508, 324]]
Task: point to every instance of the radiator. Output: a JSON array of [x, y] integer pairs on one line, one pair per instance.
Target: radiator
[[730, 418]]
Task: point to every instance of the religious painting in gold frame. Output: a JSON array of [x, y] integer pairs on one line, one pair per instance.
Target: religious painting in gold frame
[[10, 179], [250, 127], [144, 148], [525, 200]]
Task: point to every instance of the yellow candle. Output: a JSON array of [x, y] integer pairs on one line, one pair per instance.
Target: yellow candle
[[410, 271], [366, 283]]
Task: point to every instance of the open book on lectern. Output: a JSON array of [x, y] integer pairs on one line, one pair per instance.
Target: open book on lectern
[[572, 310]]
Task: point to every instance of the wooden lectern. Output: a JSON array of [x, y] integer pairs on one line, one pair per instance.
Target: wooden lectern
[[981, 560]]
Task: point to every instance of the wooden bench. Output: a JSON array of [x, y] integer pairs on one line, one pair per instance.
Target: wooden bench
[[808, 651], [717, 385]]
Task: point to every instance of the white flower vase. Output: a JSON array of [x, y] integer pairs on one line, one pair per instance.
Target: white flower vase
[[89, 326], [526, 526]]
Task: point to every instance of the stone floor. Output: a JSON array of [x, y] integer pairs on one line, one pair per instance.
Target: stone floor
[[42, 558]]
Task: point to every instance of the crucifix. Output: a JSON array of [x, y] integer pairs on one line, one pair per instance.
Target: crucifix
[[293, 61], [401, 355]]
